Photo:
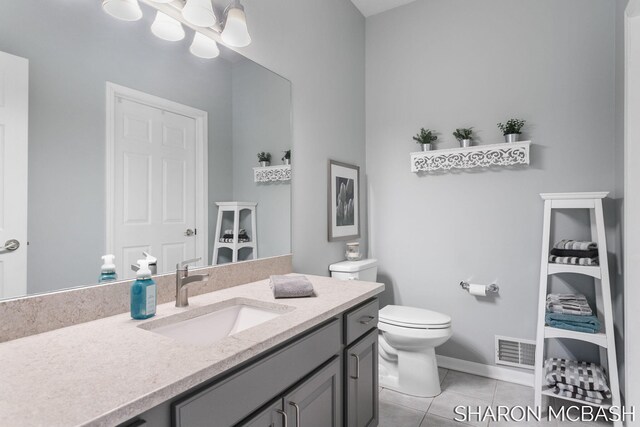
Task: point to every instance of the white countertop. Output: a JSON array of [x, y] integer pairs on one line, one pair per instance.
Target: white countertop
[[104, 372]]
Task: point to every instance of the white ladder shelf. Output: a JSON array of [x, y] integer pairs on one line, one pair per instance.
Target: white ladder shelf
[[600, 273], [235, 245]]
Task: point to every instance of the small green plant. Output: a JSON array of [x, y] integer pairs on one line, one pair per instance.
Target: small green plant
[[287, 155], [264, 157], [463, 133], [426, 136], [511, 126]]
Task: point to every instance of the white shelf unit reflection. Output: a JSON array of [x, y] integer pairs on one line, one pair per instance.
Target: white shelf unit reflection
[[272, 173], [504, 154]]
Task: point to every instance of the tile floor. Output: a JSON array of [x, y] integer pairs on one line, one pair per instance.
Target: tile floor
[[399, 410]]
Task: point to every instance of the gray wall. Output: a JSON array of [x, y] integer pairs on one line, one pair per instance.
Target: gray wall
[[319, 47], [261, 120], [450, 63], [73, 50]]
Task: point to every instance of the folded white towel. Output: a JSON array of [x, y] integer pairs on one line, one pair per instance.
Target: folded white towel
[[291, 286], [575, 245]]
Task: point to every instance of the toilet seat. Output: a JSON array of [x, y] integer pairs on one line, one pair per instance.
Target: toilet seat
[[413, 317]]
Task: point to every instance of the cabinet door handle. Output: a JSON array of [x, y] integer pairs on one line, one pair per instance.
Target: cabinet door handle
[[284, 417], [357, 366], [366, 319], [297, 408]]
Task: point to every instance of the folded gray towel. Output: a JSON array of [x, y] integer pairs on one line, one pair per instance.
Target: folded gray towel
[[291, 286]]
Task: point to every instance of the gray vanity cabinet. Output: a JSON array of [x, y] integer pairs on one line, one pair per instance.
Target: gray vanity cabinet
[[272, 416], [361, 384], [317, 402], [326, 377]]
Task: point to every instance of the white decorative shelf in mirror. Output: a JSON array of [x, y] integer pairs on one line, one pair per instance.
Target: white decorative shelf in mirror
[[272, 173], [480, 156]]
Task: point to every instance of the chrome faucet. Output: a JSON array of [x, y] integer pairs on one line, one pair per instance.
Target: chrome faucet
[[183, 280]]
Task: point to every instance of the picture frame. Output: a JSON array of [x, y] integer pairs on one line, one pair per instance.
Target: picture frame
[[343, 188]]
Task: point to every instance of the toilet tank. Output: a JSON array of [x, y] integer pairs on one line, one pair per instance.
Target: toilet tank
[[365, 269]]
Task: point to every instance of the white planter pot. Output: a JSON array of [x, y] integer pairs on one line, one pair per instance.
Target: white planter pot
[[264, 164], [426, 147], [465, 143], [287, 161]]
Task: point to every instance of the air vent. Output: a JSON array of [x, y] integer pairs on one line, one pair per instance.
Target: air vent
[[515, 352]]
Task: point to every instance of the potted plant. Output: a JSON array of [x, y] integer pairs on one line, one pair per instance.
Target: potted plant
[[425, 138], [463, 135], [287, 157], [511, 129], [264, 159]]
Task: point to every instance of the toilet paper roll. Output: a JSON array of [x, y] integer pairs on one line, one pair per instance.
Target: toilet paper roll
[[479, 290]]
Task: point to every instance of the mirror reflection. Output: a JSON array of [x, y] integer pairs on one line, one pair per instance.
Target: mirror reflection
[[117, 142]]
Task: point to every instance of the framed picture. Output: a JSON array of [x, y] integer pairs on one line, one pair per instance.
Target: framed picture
[[344, 201]]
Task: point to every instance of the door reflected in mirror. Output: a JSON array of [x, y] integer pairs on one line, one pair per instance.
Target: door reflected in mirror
[[116, 142]]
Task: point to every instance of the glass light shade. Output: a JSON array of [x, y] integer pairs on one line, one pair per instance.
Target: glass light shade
[[204, 47], [199, 13], [236, 33], [126, 10], [167, 28]]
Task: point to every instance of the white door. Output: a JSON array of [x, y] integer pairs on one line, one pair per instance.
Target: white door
[[14, 113], [155, 186]]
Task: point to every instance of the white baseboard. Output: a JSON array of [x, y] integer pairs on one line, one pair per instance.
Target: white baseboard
[[489, 371]]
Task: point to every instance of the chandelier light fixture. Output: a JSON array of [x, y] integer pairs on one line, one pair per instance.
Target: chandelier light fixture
[[204, 47], [199, 15], [167, 28], [126, 10], [235, 32]]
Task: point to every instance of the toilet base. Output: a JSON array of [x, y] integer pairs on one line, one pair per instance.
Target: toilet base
[[417, 376]]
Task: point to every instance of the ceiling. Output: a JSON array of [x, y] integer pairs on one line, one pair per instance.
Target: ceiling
[[373, 7]]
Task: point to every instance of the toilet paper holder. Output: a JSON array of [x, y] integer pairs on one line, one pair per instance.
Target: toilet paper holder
[[490, 288]]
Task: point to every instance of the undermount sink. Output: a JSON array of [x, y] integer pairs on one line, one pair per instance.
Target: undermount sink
[[217, 323]]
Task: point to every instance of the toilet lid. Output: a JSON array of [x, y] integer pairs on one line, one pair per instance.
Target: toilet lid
[[413, 317]]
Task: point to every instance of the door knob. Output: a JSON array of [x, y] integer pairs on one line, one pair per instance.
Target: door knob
[[10, 245], [190, 232]]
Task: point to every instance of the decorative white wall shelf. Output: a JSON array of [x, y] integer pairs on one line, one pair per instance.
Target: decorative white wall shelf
[[272, 173], [505, 154]]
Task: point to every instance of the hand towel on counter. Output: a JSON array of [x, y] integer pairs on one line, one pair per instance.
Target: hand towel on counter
[[291, 286], [575, 245], [571, 322], [568, 304], [578, 380]]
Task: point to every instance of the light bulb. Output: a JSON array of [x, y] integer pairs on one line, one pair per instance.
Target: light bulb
[[235, 32], [167, 28], [199, 13], [204, 47], [126, 10]]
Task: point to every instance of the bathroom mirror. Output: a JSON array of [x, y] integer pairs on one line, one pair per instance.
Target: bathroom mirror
[[132, 144]]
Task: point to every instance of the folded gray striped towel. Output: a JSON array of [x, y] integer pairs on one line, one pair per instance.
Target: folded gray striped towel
[[574, 260], [569, 304], [578, 380], [575, 245], [291, 286]]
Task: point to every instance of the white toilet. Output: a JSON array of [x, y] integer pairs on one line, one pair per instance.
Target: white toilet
[[408, 338]]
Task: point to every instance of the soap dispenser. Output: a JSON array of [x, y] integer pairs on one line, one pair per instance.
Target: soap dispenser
[[108, 270], [143, 293], [153, 262]]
